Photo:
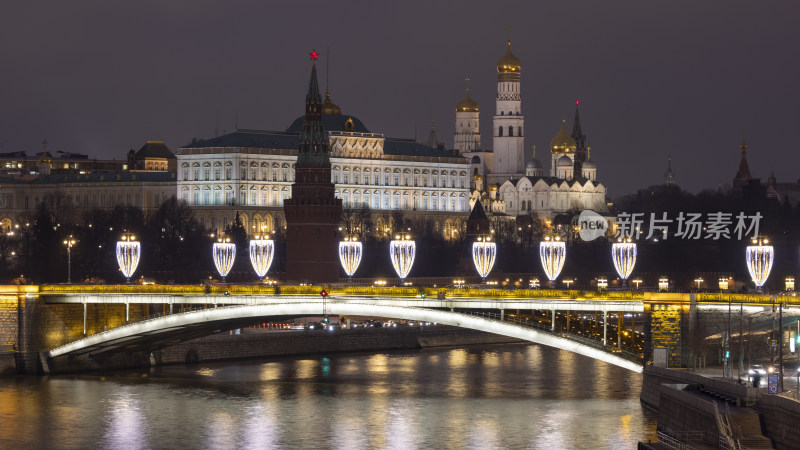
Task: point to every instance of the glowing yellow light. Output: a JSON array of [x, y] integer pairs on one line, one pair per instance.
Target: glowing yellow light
[[402, 252], [759, 259], [262, 250], [224, 254], [552, 253], [624, 256], [350, 251], [483, 255], [128, 252]]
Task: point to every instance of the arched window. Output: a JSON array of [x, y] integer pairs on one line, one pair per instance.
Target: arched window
[[511, 131], [500, 131], [519, 131]]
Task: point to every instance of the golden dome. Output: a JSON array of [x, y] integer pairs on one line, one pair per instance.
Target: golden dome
[[477, 177], [467, 105], [328, 107], [509, 63], [493, 187], [563, 142]]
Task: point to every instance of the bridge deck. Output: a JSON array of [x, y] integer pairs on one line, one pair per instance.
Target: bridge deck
[[460, 303]]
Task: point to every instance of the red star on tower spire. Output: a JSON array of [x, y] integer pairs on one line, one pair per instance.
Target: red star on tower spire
[[313, 54], [577, 102]]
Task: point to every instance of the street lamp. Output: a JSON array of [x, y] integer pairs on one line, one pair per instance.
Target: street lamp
[[483, 255], [69, 242], [350, 250], [623, 253], [128, 252], [401, 251], [262, 248], [224, 253], [789, 284], [698, 280], [759, 257], [552, 253]]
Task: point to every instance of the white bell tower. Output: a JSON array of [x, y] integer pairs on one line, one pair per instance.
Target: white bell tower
[[508, 123]]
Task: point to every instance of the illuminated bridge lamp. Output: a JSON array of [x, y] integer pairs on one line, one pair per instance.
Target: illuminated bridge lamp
[[724, 283], [224, 253], [623, 253], [128, 252], [484, 252], [552, 253], [262, 249], [789, 283], [401, 251], [602, 283], [759, 257], [350, 250], [663, 284]]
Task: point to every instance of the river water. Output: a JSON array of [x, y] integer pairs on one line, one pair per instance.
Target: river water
[[499, 396]]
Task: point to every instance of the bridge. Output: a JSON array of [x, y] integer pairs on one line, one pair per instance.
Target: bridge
[[162, 330], [67, 321]]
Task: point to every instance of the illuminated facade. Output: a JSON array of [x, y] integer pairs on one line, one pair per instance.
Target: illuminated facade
[[501, 179], [253, 171]]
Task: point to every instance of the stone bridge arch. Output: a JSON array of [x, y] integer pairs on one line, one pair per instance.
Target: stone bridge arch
[[166, 329]]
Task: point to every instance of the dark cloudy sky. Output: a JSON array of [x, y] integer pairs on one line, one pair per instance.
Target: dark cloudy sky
[[687, 78]]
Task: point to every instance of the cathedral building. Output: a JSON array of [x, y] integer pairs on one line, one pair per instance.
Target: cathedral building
[[513, 187]]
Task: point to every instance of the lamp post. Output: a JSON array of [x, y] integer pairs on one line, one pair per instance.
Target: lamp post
[[552, 253], [401, 251], [350, 250], [759, 257], [484, 252], [262, 248], [224, 253], [623, 253], [128, 251], [69, 242]]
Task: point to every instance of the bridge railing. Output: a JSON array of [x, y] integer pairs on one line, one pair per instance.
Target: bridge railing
[[590, 340]]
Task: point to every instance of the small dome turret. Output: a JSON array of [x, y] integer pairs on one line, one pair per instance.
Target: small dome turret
[[564, 161], [328, 107]]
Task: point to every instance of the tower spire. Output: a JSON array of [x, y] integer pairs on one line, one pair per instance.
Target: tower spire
[[669, 177], [743, 172], [313, 149]]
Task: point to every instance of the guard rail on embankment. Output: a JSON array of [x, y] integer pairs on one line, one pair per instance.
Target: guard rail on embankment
[[738, 394], [780, 414]]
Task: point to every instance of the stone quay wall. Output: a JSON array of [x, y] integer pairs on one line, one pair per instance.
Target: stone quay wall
[[780, 416]]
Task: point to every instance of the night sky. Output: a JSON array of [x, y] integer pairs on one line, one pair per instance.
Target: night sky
[[687, 78]]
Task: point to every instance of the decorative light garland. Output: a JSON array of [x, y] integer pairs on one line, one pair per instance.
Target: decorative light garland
[[624, 256], [224, 254], [262, 249], [759, 258], [483, 255], [552, 253], [350, 254], [401, 251], [128, 252]]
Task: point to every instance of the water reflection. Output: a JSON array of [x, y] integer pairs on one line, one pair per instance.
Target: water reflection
[[511, 396]]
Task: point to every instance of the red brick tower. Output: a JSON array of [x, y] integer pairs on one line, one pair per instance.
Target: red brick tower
[[313, 213]]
